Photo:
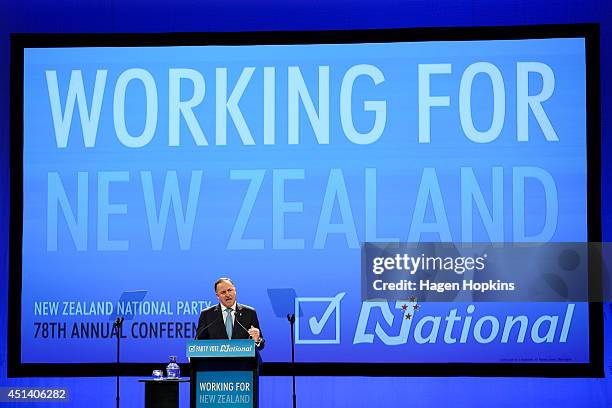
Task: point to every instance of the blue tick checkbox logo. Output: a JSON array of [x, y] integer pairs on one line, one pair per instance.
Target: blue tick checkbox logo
[[320, 323]]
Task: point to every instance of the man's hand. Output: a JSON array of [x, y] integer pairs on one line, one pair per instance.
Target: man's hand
[[254, 333]]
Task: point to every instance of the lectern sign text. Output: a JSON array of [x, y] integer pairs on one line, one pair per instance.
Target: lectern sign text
[[223, 388]]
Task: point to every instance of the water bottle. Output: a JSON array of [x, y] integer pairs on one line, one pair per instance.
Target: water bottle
[[173, 370]]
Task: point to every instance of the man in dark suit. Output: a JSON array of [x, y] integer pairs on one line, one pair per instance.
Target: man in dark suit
[[228, 319]]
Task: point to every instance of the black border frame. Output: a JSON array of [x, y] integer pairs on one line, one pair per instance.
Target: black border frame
[[589, 31]]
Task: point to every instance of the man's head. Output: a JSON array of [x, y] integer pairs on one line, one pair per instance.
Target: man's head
[[225, 291]]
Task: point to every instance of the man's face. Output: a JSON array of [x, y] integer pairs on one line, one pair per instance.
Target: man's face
[[226, 293]]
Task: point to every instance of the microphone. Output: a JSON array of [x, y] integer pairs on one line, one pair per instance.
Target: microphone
[[119, 321], [259, 342], [203, 329], [236, 314]]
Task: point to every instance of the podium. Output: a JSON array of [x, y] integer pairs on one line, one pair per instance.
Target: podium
[[224, 373]]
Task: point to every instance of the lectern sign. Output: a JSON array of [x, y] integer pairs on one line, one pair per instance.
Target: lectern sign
[[223, 373], [223, 388], [221, 348]]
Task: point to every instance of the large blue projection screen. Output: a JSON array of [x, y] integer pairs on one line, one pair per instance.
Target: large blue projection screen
[[148, 172]]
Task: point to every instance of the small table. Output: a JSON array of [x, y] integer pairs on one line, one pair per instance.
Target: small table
[[162, 393]]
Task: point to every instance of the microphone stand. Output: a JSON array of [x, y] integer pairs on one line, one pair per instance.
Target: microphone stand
[[117, 326], [291, 318]]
